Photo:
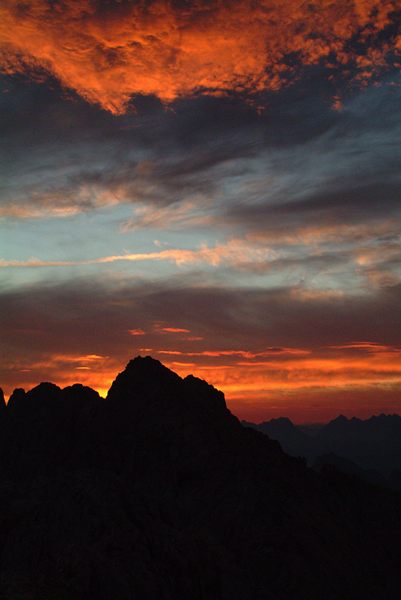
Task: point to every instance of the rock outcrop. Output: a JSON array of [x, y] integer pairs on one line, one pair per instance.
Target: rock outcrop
[[159, 492]]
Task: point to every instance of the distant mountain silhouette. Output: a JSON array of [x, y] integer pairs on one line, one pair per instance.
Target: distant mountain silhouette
[[159, 492], [292, 439], [372, 446]]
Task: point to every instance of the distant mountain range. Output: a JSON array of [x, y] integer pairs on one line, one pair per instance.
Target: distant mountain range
[[370, 448], [159, 492]]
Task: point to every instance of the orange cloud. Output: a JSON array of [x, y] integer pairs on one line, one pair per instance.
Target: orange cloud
[[175, 330], [368, 346], [108, 53], [239, 353]]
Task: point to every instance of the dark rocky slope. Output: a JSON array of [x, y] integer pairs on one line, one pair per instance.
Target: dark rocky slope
[[159, 492]]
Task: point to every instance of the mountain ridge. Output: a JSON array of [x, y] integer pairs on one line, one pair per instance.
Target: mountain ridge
[[158, 491], [373, 445]]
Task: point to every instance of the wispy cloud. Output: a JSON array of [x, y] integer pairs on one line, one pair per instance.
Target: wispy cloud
[[136, 332], [238, 353], [174, 330], [234, 252]]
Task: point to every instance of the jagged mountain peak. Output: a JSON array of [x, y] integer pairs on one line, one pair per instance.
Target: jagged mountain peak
[[146, 382], [142, 379], [283, 422], [45, 390], [203, 390], [144, 368], [77, 389], [16, 398], [340, 419], [144, 361]]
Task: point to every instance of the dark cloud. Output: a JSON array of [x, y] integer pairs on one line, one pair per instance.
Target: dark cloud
[[348, 205], [339, 164], [95, 318]]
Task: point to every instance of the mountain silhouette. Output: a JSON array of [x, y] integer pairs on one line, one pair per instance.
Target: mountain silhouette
[[292, 439], [158, 491], [371, 447], [374, 442]]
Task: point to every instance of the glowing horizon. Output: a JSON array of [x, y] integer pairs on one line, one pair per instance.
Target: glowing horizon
[[257, 389], [215, 184]]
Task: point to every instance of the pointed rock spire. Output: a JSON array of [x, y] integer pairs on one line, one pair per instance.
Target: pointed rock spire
[[17, 399]]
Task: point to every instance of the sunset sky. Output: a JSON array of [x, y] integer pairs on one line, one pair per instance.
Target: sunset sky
[[214, 183]]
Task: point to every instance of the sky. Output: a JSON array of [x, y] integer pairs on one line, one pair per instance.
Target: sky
[[213, 183]]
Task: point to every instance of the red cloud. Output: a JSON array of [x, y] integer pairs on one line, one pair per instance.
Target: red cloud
[[175, 330], [107, 55], [136, 331]]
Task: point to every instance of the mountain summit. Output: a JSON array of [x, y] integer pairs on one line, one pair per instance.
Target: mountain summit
[[158, 491], [146, 384], [143, 376], [144, 387]]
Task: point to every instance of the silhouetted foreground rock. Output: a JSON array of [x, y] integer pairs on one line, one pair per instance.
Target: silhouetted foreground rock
[[159, 492]]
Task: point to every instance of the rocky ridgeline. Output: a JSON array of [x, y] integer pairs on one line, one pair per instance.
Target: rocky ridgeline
[[158, 491]]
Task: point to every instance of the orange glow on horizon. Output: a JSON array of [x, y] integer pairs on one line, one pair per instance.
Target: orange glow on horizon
[[285, 384]]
